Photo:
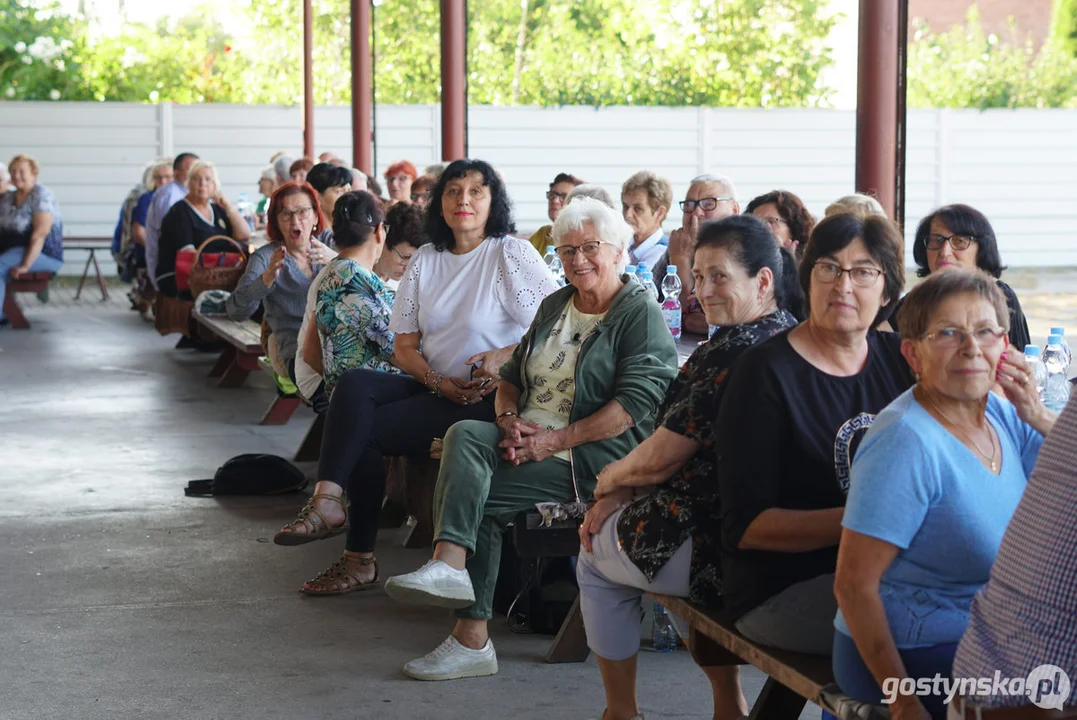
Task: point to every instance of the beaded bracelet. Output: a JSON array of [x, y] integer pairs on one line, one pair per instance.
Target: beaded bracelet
[[438, 377]]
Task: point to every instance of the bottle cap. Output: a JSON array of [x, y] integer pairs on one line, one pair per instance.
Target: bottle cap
[[1032, 350], [672, 270], [549, 249], [630, 269], [647, 274], [1054, 339], [1060, 331]]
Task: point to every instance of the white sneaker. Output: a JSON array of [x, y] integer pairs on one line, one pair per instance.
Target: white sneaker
[[433, 584], [451, 660]]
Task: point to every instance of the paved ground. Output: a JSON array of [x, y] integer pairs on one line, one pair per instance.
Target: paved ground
[[122, 598]]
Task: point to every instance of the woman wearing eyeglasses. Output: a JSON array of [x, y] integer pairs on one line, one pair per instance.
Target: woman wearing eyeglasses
[[279, 274], [794, 411], [556, 197], [579, 392], [960, 236], [934, 485]]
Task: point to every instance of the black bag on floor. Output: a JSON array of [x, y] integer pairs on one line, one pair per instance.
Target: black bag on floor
[[251, 474]]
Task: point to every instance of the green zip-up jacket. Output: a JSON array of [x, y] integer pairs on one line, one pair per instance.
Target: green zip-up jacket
[[630, 357]]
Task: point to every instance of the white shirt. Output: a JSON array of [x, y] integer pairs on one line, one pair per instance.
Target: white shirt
[[647, 252], [163, 200], [467, 304]]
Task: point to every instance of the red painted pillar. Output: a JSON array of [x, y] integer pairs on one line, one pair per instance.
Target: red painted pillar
[[877, 83], [362, 98], [453, 79], [308, 80]]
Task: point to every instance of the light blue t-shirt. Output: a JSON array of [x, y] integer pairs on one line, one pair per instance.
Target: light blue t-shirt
[[916, 486]]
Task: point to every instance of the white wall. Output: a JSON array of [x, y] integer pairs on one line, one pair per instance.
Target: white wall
[[1016, 166]]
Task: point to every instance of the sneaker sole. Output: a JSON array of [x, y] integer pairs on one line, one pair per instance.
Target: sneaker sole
[[418, 595], [483, 670]]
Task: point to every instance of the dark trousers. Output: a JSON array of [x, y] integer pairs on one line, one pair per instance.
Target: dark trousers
[[373, 414]]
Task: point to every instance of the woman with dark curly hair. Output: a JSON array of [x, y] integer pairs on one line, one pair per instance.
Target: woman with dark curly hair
[[961, 236], [465, 301], [785, 215]]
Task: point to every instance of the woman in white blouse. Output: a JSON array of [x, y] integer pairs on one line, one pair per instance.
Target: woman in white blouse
[[466, 299]]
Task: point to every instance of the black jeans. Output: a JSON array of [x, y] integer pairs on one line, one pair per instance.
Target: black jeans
[[373, 414]]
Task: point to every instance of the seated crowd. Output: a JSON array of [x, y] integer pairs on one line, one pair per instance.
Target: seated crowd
[[835, 468]]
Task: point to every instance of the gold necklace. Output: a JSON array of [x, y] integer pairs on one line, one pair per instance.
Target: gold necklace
[[989, 458]]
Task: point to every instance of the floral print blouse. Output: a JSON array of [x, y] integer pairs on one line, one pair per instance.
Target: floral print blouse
[[352, 312], [652, 528]]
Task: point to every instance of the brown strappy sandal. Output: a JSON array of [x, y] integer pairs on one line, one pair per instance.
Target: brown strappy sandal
[[338, 579], [315, 524]]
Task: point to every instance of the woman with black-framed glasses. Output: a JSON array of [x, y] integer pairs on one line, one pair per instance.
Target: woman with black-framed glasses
[[961, 236], [905, 580]]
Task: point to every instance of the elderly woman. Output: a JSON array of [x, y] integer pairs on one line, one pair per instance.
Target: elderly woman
[[279, 274], [645, 202], [786, 216], [960, 236], [420, 191], [905, 581], [579, 392], [464, 302], [594, 191], [129, 238], [331, 182], [398, 177], [667, 540], [793, 413], [858, 204], [299, 169], [267, 183], [203, 213], [556, 197], [31, 229]]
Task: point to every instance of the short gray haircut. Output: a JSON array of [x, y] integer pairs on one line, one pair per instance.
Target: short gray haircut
[[590, 190], [858, 204], [206, 165], [283, 168], [607, 223], [724, 181], [359, 179], [269, 173]]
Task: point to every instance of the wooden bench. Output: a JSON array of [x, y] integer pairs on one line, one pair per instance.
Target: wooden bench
[[28, 282], [90, 245], [409, 495]]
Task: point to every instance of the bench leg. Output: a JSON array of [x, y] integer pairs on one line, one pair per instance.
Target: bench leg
[[420, 478], [311, 447], [281, 410], [570, 645], [708, 653], [228, 356], [100, 278], [777, 702], [85, 272], [237, 372], [14, 312]]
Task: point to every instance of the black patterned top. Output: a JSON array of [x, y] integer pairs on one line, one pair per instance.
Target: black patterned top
[[652, 528]]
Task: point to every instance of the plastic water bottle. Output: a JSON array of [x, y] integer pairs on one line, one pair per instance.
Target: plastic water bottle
[[640, 269], [1061, 332], [1039, 373], [648, 283], [1057, 389], [671, 306], [245, 208], [663, 634], [553, 262], [630, 270]]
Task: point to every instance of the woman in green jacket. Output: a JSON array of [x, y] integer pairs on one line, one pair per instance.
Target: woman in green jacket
[[579, 392]]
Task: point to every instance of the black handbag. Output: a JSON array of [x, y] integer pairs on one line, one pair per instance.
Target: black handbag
[[251, 474]]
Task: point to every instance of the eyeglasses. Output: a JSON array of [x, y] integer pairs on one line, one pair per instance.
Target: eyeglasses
[[551, 196], [404, 258], [951, 337], [773, 222], [568, 252], [957, 242], [828, 272], [302, 213], [416, 197], [706, 204]]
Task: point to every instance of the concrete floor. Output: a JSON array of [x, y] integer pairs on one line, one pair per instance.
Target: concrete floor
[[121, 598]]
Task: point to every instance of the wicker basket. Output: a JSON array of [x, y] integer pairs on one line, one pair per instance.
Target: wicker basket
[[216, 278]]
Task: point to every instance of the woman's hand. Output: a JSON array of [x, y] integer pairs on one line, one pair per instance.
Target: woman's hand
[[18, 271], [535, 447], [1015, 377], [275, 264], [513, 431], [607, 480], [460, 391], [490, 362], [599, 512], [319, 253]]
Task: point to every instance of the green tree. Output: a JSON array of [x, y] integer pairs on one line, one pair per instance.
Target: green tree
[[966, 67], [1064, 25], [39, 51]]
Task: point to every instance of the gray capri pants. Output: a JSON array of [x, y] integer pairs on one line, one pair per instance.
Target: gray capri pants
[[611, 587]]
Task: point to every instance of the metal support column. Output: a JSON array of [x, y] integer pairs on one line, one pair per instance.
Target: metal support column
[[362, 98], [453, 79], [877, 101], [308, 80]]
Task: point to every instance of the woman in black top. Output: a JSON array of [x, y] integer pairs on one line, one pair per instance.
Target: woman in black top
[[960, 236], [793, 412], [205, 212], [745, 283]]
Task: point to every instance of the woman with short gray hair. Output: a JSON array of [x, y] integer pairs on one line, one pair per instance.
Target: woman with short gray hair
[[579, 392]]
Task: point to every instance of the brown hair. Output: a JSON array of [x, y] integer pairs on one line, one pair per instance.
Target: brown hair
[[791, 209], [287, 190], [919, 305], [301, 165], [35, 168], [659, 190]]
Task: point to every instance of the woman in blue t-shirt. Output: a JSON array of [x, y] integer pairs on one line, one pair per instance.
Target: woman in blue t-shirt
[[933, 487]]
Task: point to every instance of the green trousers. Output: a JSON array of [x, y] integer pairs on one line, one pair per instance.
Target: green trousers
[[478, 494]]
